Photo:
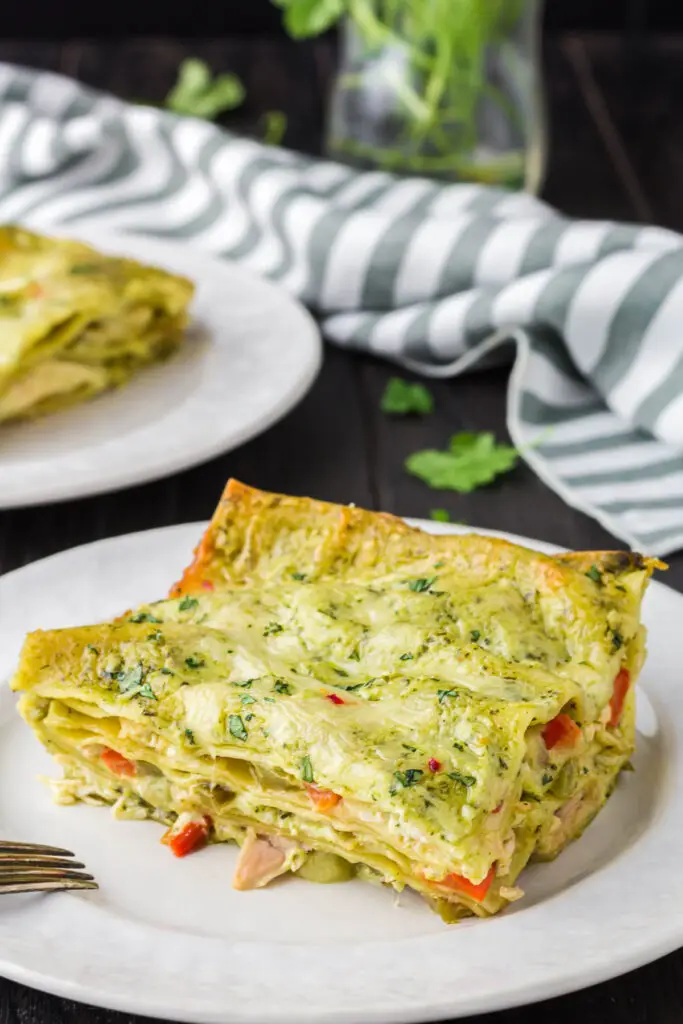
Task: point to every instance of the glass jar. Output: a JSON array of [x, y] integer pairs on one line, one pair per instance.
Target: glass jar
[[443, 88]]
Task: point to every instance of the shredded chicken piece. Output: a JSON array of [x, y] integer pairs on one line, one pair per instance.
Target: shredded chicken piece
[[261, 859], [511, 892]]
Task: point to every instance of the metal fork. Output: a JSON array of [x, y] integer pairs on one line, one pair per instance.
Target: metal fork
[[28, 867]]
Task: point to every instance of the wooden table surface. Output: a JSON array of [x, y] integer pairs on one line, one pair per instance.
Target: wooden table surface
[[616, 152]]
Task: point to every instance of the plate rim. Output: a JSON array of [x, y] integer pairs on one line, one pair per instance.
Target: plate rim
[[178, 459], [576, 978]]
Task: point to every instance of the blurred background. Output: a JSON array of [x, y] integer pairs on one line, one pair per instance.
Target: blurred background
[[40, 18]]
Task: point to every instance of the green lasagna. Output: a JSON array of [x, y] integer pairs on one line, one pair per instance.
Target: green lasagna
[[74, 323], [343, 695]]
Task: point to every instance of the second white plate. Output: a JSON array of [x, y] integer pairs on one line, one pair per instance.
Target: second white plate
[[250, 355], [172, 939]]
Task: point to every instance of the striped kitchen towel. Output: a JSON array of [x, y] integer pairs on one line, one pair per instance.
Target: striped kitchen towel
[[432, 276]]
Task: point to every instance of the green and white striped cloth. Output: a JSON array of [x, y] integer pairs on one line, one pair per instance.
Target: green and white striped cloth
[[433, 277]]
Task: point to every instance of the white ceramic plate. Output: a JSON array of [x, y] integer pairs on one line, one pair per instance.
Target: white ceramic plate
[[170, 938], [250, 356]]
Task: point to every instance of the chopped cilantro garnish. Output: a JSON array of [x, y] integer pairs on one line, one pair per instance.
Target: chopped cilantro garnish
[[546, 779], [155, 636], [187, 604], [271, 700], [594, 574], [406, 657], [403, 780], [354, 656], [440, 515], [281, 687], [166, 671], [475, 634], [130, 680], [248, 718], [131, 683], [193, 662], [271, 628], [439, 565], [340, 672], [143, 617], [421, 584], [407, 746], [464, 780], [402, 398], [300, 576], [246, 698], [444, 694], [306, 769], [617, 640], [189, 735], [91, 647], [245, 685], [236, 727]]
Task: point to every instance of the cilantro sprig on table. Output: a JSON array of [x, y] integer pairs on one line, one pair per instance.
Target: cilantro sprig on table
[[470, 461], [199, 94], [401, 398]]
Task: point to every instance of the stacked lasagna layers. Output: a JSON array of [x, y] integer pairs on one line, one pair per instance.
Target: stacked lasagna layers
[[341, 694]]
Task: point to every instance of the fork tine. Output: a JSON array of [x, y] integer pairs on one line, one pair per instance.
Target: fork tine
[[10, 860], [42, 874], [9, 847], [52, 886]]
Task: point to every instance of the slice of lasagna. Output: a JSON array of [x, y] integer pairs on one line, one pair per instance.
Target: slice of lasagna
[[342, 694], [74, 323]]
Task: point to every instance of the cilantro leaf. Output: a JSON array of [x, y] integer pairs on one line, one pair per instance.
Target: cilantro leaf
[[274, 127], [464, 780], [281, 687], [440, 515], [594, 574], [401, 398], [418, 586], [236, 727], [193, 662], [470, 461], [197, 94], [403, 780], [187, 604], [272, 628], [310, 17], [131, 681], [131, 684], [143, 617]]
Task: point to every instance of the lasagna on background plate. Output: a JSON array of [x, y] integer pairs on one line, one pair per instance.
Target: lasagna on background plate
[[74, 323], [341, 694]]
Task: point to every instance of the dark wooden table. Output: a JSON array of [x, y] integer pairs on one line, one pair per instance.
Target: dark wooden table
[[616, 152]]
